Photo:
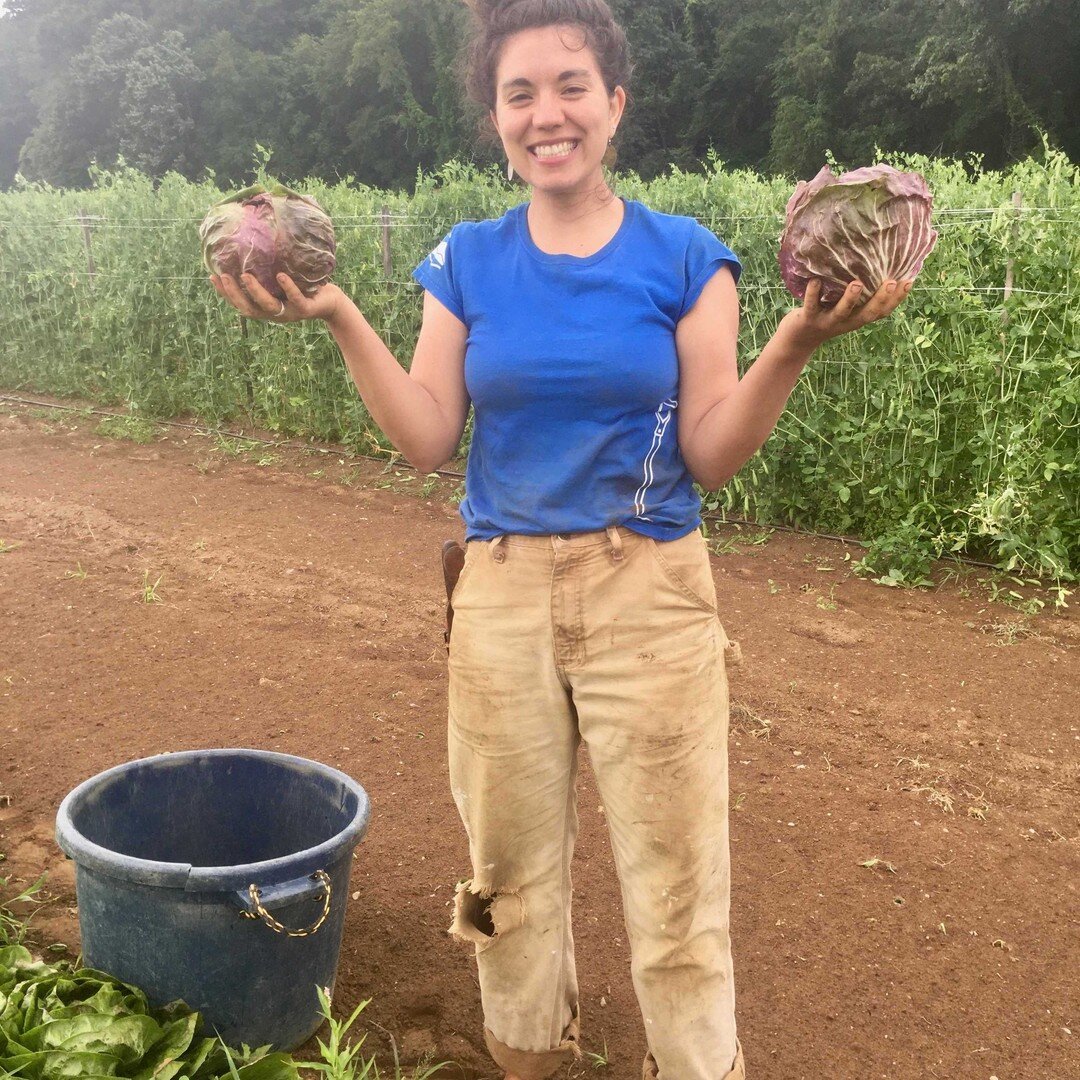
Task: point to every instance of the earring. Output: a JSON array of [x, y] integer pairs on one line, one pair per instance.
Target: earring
[[509, 172], [611, 155]]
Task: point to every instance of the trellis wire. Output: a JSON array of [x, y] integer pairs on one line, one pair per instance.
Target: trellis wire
[[743, 286], [398, 219]]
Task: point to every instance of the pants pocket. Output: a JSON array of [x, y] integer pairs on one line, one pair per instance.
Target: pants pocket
[[685, 564], [472, 553]]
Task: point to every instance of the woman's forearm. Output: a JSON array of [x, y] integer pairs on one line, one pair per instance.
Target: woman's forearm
[[404, 410], [730, 433]]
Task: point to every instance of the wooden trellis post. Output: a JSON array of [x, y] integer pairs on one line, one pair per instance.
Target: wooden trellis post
[[1018, 204], [84, 221], [387, 264]]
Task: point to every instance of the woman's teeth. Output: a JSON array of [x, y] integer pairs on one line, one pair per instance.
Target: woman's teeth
[[558, 150]]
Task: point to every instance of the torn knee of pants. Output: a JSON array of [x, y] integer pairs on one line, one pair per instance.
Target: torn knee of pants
[[483, 913]]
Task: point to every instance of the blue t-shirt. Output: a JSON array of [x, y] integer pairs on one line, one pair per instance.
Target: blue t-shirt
[[573, 373]]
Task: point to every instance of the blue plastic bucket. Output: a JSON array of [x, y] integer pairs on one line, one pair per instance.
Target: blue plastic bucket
[[219, 877]]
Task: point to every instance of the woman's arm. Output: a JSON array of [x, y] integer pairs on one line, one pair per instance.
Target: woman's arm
[[724, 420], [421, 411]]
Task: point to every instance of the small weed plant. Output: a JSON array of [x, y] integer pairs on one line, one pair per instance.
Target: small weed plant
[[342, 1059], [133, 428], [601, 1060], [149, 591], [14, 916], [230, 447]]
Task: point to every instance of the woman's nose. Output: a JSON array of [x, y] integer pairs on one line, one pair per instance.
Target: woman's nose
[[548, 111]]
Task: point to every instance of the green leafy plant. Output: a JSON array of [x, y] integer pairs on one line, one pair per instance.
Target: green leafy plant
[[899, 558], [343, 1060], [57, 1021], [61, 1021], [134, 428], [13, 921]]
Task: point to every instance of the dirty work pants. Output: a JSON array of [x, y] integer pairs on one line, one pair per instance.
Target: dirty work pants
[[611, 638]]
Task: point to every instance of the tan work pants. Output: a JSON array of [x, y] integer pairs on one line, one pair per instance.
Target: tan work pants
[[611, 638]]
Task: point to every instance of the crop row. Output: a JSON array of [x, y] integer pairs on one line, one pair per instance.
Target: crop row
[[951, 428]]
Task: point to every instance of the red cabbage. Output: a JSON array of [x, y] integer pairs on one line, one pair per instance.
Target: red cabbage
[[266, 232], [870, 224]]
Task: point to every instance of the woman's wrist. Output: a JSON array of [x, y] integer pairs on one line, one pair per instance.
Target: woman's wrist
[[337, 305], [795, 339]]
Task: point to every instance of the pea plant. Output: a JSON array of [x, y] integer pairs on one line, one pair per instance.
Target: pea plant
[[950, 429]]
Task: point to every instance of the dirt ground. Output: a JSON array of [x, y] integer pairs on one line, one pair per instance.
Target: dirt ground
[[301, 610]]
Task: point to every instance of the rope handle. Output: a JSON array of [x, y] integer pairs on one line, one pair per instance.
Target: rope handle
[[261, 913]]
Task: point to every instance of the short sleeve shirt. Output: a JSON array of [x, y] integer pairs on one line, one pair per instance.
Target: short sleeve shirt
[[573, 372]]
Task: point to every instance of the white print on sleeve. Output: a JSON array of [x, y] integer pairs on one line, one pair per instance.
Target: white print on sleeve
[[438, 257]]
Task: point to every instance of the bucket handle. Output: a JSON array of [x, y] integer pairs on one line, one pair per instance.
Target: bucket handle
[[261, 913]]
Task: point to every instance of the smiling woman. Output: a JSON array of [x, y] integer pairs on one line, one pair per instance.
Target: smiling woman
[[595, 341]]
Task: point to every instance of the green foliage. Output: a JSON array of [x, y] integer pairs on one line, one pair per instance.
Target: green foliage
[[949, 429], [902, 556], [133, 428], [127, 93], [341, 1059], [61, 1021]]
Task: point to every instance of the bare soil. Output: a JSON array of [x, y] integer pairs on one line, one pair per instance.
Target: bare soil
[[301, 610]]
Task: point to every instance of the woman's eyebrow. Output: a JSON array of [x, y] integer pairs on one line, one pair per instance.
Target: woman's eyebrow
[[577, 73]]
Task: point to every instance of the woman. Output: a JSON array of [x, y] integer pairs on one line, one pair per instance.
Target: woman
[[596, 341]]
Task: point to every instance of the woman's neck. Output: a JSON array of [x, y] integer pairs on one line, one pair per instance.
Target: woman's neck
[[576, 222]]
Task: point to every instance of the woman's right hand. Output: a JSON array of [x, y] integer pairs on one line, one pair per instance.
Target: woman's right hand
[[255, 302]]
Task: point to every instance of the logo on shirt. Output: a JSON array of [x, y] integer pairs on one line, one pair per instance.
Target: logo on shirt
[[663, 419], [438, 257]]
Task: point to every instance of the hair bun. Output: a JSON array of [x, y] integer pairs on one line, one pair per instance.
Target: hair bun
[[486, 10]]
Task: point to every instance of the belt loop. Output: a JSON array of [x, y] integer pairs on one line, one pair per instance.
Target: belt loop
[[616, 543], [498, 552]]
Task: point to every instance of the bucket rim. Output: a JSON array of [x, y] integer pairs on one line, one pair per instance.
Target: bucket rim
[[179, 875]]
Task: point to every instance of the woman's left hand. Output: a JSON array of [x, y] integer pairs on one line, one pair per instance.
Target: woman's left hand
[[812, 324]]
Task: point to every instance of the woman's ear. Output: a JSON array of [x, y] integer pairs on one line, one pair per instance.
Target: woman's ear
[[618, 104]]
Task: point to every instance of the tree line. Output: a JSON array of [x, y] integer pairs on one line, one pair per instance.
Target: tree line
[[372, 89]]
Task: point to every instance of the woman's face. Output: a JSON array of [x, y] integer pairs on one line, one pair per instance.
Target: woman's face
[[552, 110]]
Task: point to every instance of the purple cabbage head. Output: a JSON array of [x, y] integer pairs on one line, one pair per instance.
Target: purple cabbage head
[[266, 232], [869, 224]]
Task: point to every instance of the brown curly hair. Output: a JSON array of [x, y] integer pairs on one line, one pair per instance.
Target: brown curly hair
[[496, 20]]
